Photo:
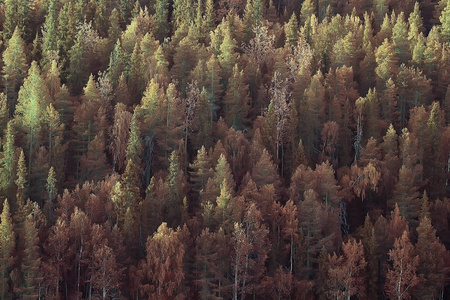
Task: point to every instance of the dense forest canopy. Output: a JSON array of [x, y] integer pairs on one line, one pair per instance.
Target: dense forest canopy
[[259, 149]]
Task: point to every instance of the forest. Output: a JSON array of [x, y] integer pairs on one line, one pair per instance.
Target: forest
[[235, 149]]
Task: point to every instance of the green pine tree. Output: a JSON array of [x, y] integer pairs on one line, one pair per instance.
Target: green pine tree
[[7, 162], [161, 19], [445, 21], [33, 99], [7, 245], [14, 67]]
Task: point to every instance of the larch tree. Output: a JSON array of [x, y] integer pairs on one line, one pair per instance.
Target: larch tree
[[7, 245], [211, 254], [94, 164], [105, 277], [313, 113], [162, 270], [402, 276], [175, 184], [120, 133], [251, 247], [134, 145], [31, 264], [265, 171], [56, 247], [291, 231], [212, 84], [189, 106], [346, 272], [278, 116], [432, 260]]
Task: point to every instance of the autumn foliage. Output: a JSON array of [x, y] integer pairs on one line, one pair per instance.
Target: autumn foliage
[[238, 149]]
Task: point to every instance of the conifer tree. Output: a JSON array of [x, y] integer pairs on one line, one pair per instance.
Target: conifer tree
[[134, 146], [31, 264], [346, 273], [251, 246], [161, 19], [228, 57], [432, 256], [4, 112], [14, 68], [209, 18], [7, 245], [211, 252], [116, 63], [175, 183], [212, 84], [78, 72], [400, 39], [125, 7], [93, 164], [21, 180], [7, 162], [236, 100], [134, 73], [415, 21], [56, 247], [162, 270], [18, 13], [445, 21], [224, 206], [308, 9], [402, 276], [49, 34], [32, 101], [55, 130], [52, 191], [185, 59], [106, 273], [406, 194], [313, 112], [292, 31], [66, 30], [114, 29], [386, 63], [200, 170]]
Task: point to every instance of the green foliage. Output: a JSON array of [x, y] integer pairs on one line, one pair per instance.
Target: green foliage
[[161, 19], [445, 21], [7, 162], [18, 13], [14, 68], [7, 244], [33, 99]]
